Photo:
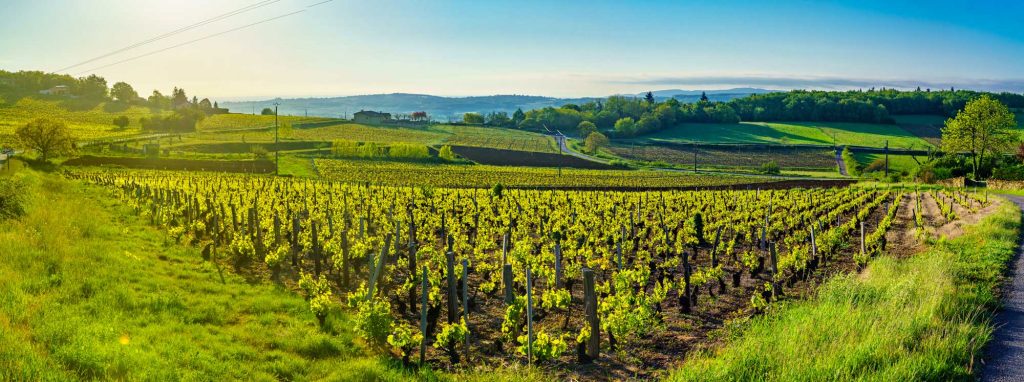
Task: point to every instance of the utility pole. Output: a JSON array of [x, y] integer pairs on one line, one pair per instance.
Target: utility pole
[[277, 151], [887, 158]]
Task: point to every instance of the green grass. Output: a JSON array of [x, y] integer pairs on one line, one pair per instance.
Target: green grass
[[897, 163], [88, 123], [296, 166], [754, 132], [814, 133], [922, 318], [89, 292]]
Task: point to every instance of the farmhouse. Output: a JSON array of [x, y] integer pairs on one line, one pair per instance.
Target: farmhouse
[[56, 90], [371, 117]]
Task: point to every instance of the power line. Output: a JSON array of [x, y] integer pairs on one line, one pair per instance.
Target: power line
[[192, 41], [174, 32]]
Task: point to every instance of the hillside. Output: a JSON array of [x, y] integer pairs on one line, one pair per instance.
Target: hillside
[[442, 107]]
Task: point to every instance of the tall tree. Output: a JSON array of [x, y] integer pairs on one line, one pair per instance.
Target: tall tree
[[123, 92], [46, 136], [983, 127], [649, 98]]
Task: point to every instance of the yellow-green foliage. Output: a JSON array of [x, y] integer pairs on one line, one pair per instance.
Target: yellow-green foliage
[[371, 150], [921, 318], [408, 151]]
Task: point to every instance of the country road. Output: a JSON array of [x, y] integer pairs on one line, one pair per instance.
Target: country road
[[1005, 353], [840, 163]]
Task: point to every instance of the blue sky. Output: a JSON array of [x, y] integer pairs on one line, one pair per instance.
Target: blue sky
[[564, 48]]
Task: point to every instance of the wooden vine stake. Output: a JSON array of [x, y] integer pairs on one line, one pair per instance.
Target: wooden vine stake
[[506, 273], [863, 249], [450, 275], [592, 321], [379, 267], [529, 318], [423, 316], [814, 248], [465, 302]]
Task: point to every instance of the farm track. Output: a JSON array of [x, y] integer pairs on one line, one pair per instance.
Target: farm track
[[1006, 350]]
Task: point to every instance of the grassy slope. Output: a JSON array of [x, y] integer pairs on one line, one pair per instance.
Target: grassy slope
[[88, 291], [91, 293], [923, 318], [94, 122], [896, 162], [818, 133]]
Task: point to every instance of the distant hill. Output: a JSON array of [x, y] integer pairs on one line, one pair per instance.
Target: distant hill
[[441, 108]]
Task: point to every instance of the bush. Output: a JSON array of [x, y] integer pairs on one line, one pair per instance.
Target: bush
[[408, 151], [447, 154], [771, 168], [595, 141], [12, 198], [259, 151], [618, 163], [1008, 173], [930, 173]]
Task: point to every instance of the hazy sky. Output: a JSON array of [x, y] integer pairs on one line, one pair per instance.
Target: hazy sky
[[563, 48]]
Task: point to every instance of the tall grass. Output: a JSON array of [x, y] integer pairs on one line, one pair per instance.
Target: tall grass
[[922, 318]]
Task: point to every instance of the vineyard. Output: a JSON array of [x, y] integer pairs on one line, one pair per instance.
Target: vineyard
[[483, 176], [627, 281]]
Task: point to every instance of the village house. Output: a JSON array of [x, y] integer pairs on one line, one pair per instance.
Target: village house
[[371, 117], [56, 90]]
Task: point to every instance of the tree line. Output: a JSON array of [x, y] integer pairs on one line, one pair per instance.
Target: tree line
[[185, 114], [624, 116]]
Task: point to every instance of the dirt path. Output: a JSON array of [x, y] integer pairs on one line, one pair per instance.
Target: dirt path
[[901, 237], [1006, 350], [841, 164]]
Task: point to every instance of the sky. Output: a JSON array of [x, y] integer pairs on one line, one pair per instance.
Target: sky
[[311, 48]]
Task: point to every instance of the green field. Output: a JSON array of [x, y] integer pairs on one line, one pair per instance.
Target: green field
[[816, 133], [897, 163], [91, 123]]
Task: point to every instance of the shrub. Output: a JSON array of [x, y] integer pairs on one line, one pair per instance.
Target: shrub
[[259, 151], [344, 149], [408, 151], [771, 168], [1009, 173], [447, 154], [595, 141], [12, 198]]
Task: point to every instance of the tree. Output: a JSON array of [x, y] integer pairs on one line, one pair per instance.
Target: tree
[[267, 111], [446, 153], [984, 126], [123, 92], [178, 97], [498, 118], [625, 127], [473, 118], [47, 137], [649, 98], [585, 128], [122, 121], [518, 117], [703, 97], [92, 87], [595, 141], [158, 101]]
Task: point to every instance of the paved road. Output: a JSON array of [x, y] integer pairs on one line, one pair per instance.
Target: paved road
[[1005, 353], [842, 165]]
